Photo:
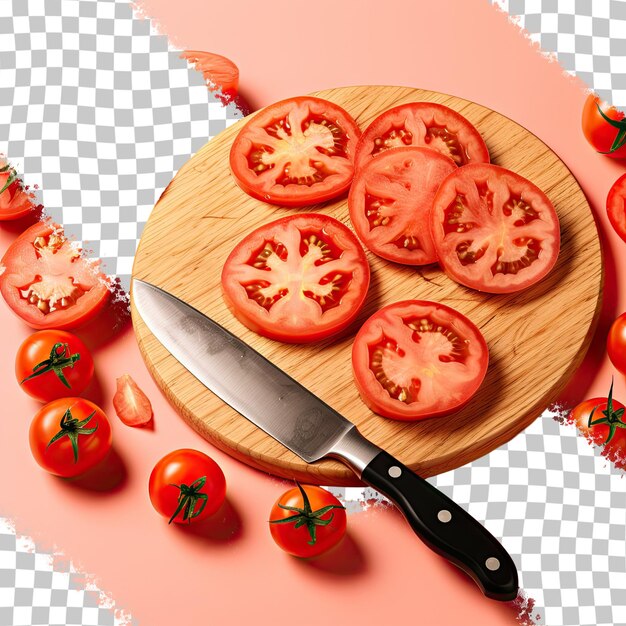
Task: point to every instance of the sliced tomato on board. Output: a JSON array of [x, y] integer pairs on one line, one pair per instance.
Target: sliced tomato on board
[[297, 279], [423, 124], [15, 201], [494, 230], [616, 206], [390, 203], [417, 359], [296, 152], [46, 281]]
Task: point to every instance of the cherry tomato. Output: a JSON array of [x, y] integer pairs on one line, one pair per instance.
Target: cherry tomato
[[131, 404], [219, 72], [418, 359], [53, 364], [601, 421], [494, 230], [616, 343], [391, 200], [424, 124], [307, 521], [69, 436], [296, 152], [15, 201], [299, 279], [604, 127], [616, 207], [187, 485], [48, 283]]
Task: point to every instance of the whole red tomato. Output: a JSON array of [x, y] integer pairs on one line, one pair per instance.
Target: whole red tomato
[[15, 201], [616, 343], [307, 521], [69, 436], [187, 485], [53, 364], [604, 127], [601, 421]]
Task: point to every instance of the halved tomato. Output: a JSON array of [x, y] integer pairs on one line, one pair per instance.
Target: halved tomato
[[417, 359], [46, 281], [616, 206], [15, 201], [423, 124], [298, 279], [494, 230], [296, 152], [391, 199]]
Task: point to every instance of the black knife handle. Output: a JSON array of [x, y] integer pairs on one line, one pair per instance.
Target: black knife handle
[[445, 527]]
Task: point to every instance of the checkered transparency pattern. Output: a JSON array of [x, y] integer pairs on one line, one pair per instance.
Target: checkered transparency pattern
[[102, 115]]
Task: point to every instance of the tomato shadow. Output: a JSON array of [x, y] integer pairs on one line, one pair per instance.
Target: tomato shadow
[[224, 526], [109, 476], [345, 559], [93, 392]]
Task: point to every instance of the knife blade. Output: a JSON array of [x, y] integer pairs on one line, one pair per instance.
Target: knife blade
[[313, 430]]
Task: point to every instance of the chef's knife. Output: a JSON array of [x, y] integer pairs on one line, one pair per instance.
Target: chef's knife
[[292, 415]]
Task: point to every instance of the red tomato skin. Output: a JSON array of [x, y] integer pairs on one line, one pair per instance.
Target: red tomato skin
[[19, 261], [293, 540], [616, 344], [598, 132], [47, 387], [219, 72], [185, 466], [58, 458], [616, 206], [15, 201]]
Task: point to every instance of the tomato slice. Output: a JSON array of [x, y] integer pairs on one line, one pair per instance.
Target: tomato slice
[[46, 281], [390, 203], [15, 201], [417, 359], [298, 279], [423, 124], [494, 230], [616, 207], [131, 404], [296, 152]]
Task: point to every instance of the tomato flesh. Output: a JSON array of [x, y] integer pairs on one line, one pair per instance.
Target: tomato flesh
[[296, 152], [417, 359], [298, 279], [494, 230], [47, 282], [391, 200], [616, 206], [424, 124]]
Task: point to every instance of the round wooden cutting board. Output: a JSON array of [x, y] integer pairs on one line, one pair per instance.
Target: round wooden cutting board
[[536, 337]]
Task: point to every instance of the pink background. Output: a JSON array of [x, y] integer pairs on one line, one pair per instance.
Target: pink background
[[229, 571]]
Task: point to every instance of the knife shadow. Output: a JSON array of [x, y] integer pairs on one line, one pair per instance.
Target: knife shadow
[[345, 559], [223, 527]]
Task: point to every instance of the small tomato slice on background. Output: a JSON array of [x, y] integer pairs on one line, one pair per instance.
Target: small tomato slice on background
[[69, 436], [616, 343], [47, 282], [493, 229], [307, 521], [298, 279], [417, 359], [424, 124], [391, 200], [601, 421], [604, 127], [15, 201], [131, 404], [53, 364], [616, 206], [219, 72], [296, 152], [187, 485]]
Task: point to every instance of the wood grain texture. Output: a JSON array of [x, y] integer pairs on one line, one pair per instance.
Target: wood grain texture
[[536, 338]]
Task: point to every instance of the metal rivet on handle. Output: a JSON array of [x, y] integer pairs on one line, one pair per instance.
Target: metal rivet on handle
[[492, 563], [394, 471], [444, 516]]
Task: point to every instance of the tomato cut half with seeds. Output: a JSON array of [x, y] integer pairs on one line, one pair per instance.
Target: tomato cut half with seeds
[[616, 206], [423, 124], [296, 152], [46, 281], [298, 279], [390, 203], [417, 359], [494, 230]]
